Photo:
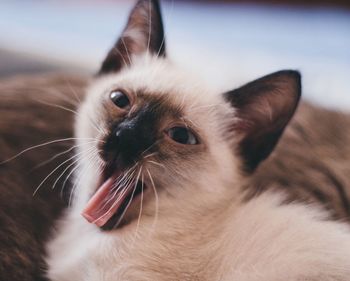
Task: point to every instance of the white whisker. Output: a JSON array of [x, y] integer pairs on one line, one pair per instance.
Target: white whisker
[[120, 185], [163, 39], [70, 165], [64, 171], [150, 155], [149, 25], [58, 155], [130, 200], [127, 52], [79, 179], [156, 163], [156, 200], [68, 176], [118, 52], [74, 112], [140, 212], [72, 90], [54, 170], [43, 144]]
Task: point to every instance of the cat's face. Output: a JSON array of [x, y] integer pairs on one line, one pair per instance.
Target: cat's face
[[155, 139], [163, 130]]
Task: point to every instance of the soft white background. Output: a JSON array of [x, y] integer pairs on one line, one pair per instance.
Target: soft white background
[[227, 44]]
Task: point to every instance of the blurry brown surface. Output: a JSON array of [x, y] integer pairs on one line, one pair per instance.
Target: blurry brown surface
[[31, 110]]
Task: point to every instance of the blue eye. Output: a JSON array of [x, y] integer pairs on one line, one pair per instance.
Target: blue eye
[[182, 135], [120, 99]]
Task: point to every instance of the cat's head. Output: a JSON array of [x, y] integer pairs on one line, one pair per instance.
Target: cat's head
[[154, 138]]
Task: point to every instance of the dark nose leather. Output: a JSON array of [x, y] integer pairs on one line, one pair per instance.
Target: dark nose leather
[[128, 140], [109, 150]]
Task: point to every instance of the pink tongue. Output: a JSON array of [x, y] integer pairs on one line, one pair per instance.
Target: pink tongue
[[102, 206]]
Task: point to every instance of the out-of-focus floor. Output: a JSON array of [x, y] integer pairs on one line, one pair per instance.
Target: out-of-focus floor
[[228, 44]]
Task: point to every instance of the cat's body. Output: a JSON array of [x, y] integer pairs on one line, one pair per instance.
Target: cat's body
[[168, 170]]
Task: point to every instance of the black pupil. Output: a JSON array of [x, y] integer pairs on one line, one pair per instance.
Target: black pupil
[[179, 134], [120, 99]]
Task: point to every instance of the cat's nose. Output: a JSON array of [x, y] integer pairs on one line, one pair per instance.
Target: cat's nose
[[108, 151], [112, 145], [126, 143], [125, 137]]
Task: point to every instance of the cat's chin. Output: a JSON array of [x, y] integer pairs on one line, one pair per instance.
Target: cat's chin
[[114, 205]]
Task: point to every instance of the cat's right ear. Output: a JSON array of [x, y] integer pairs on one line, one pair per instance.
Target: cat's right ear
[[263, 109], [143, 32]]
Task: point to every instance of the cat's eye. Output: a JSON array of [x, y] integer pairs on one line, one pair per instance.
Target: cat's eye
[[182, 135], [120, 99]]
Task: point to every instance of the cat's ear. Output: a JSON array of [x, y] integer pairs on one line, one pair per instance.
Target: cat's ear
[[143, 33], [263, 109]]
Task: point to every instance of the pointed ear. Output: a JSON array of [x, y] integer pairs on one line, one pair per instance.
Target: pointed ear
[[143, 32], [263, 109]]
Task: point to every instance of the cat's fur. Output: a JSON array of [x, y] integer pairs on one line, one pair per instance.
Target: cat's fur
[[200, 226]]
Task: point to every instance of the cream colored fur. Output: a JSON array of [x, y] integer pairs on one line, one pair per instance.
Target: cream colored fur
[[203, 231], [256, 241]]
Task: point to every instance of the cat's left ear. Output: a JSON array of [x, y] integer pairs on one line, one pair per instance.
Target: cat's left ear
[[143, 32], [263, 109]]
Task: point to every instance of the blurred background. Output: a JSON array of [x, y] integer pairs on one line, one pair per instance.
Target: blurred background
[[226, 42]]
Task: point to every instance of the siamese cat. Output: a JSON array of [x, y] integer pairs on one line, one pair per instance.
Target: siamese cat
[[163, 188]]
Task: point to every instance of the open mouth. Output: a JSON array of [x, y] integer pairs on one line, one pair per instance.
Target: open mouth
[[115, 194]]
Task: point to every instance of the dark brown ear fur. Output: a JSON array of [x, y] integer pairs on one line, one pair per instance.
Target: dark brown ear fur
[[264, 107], [143, 32]]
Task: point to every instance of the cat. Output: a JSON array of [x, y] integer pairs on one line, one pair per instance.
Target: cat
[[163, 194], [305, 146], [207, 202]]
